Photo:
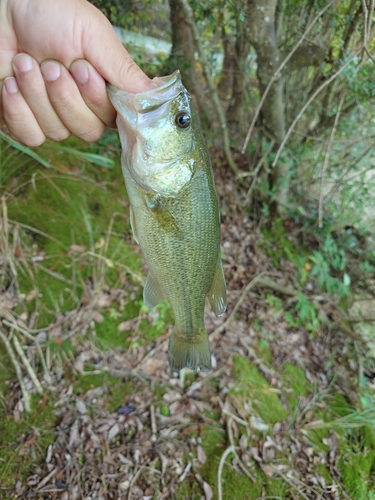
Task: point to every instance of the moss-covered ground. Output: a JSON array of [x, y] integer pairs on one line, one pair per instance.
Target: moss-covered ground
[[72, 209]]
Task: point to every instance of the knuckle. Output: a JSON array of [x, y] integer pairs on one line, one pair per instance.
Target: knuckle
[[93, 135], [32, 141], [58, 135]]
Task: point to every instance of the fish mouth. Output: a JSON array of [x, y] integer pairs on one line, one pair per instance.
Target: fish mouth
[[167, 88]]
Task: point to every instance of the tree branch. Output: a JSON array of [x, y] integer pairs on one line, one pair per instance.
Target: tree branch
[[307, 104], [305, 55], [189, 17]]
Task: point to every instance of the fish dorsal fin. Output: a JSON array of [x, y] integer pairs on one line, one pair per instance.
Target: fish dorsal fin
[[133, 225], [217, 295], [152, 293]]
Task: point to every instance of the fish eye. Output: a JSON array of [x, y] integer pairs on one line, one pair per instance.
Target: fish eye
[[182, 119]]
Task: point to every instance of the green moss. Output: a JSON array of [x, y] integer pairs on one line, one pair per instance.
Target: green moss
[[118, 390], [188, 490], [151, 332], [294, 378], [263, 350], [73, 210], [322, 470], [108, 334], [357, 462], [24, 443], [6, 372], [253, 386], [235, 486]]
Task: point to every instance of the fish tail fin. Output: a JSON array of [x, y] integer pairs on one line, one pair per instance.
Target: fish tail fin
[[189, 351]]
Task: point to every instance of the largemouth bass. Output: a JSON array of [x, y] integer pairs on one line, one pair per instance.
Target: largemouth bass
[[174, 211]]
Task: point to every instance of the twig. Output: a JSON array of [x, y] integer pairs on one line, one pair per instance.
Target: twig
[[45, 480], [292, 484], [189, 19], [197, 385], [326, 158], [255, 172], [228, 451], [267, 283], [25, 394], [27, 365], [278, 71], [239, 461], [134, 478], [110, 263], [230, 318], [36, 341], [307, 104], [152, 352], [365, 21], [185, 473], [154, 429]]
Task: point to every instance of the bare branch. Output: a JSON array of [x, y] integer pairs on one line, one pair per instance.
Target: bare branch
[[278, 71], [326, 158], [189, 17], [297, 118], [27, 365], [25, 394]]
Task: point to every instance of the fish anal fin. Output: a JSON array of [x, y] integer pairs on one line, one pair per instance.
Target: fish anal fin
[[152, 293], [217, 295], [133, 224]]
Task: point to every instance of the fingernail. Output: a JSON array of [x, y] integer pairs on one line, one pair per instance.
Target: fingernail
[[23, 63], [50, 70], [10, 84], [79, 71]]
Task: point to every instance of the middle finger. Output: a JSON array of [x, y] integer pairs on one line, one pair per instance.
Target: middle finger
[[68, 103], [33, 89]]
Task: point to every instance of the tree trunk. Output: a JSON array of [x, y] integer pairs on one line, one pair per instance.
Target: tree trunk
[[226, 77], [261, 19], [241, 52], [262, 35], [182, 56]]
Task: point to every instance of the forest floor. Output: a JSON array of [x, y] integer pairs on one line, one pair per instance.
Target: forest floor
[[286, 412]]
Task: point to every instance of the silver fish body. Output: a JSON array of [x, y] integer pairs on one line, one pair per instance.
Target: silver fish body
[[174, 211]]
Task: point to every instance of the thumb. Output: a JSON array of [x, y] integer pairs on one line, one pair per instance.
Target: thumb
[[105, 52]]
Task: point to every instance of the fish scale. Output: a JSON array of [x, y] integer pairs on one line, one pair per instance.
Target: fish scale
[[175, 212]]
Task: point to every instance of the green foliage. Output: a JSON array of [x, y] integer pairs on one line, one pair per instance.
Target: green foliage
[[329, 267], [146, 16]]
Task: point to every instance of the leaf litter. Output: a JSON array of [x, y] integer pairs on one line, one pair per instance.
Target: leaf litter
[[155, 440]]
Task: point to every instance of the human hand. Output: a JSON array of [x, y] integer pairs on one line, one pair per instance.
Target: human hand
[[55, 57]]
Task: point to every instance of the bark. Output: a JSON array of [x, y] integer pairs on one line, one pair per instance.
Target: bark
[[262, 35], [226, 77], [261, 19], [182, 56], [241, 52]]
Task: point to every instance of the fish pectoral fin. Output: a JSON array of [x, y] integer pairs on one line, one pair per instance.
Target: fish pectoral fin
[[133, 224], [155, 203], [217, 295], [152, 293]]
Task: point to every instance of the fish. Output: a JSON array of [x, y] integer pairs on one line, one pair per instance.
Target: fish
[[174, 211]]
